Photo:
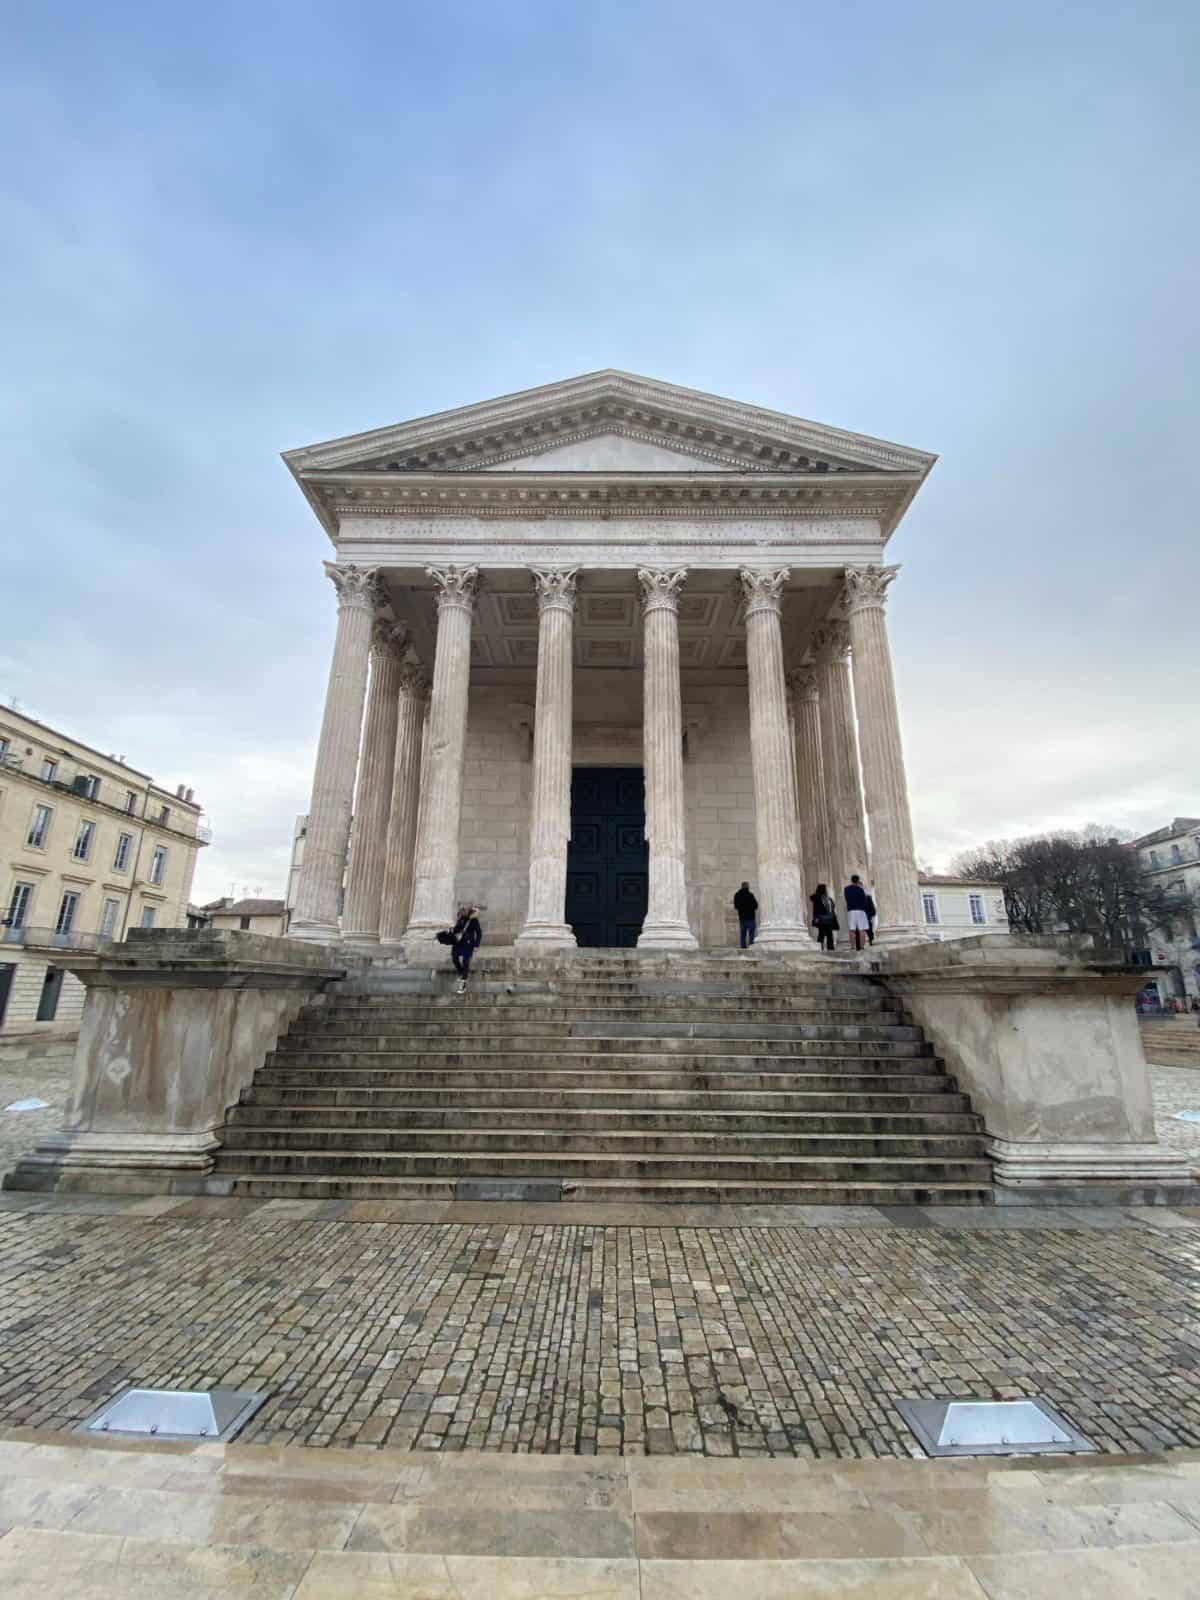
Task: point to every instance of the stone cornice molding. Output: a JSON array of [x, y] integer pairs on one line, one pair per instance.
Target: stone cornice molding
[[457, 587], [358, 588], [831, 641], [660, 588], [762, 591], [865, 589], [555, 587]]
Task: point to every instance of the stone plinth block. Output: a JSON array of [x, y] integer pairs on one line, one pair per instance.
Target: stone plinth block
[[1042, 1034], [175, 1025]]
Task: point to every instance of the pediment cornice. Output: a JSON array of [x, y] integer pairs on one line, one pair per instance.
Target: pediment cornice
[[731, 435]]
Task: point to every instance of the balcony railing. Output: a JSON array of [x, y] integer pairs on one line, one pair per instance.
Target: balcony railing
[[49, 938]]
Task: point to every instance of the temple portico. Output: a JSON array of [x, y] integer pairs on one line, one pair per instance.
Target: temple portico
[[604, 650]]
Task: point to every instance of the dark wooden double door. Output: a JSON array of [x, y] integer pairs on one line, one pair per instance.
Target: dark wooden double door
[[608, 857]]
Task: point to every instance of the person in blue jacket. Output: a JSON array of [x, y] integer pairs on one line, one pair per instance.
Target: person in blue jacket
[[468, 936], [858, 904]]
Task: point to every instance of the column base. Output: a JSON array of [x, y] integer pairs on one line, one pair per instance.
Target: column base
[[546, 936], [667, 936], [116, 1163], [783, 936], [901, 934], [315, 932]]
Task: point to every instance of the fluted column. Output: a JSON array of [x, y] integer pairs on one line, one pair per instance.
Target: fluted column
[[810, 779], [329, 810], [893, 857], [441, 791], [373, 799], [550, 819], [411, 704], [666, 926], [781, 920], [839, 749]]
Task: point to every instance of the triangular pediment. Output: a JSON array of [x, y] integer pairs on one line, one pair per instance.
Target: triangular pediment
[[609, 422]]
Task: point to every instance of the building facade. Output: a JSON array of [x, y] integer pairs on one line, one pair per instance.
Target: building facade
[[1170, 862], [267, 917], [961, 908], [604, 650], [89, 848]]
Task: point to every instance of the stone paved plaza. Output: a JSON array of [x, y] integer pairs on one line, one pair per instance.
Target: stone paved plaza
[[638, 1330]]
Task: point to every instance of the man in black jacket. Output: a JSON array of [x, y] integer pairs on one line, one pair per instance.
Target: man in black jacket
[[746, 907]]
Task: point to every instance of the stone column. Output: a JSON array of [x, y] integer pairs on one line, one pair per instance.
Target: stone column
[[550, 819], [666, 926], [411, 705], [847, 842], [328, 831], [373, 801], [446, 735], [810, 779], [781, 921], [893, 856]]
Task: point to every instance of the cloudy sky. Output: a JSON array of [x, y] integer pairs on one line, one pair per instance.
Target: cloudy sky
[[232, 229]]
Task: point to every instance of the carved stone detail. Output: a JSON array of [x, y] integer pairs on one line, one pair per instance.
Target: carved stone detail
[[802, 681], [356, 586], [831, 641], [555, 588], [866, 587], [762, 591], [456, 587], [660, 588]]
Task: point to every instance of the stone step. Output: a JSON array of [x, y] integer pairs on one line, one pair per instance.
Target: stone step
[[807, 1037], [702, 1119], [380, 1103], [704, 1055], [559, 1164], [549, 1080], [762, 1191], [607, 1142], [542, 1013]]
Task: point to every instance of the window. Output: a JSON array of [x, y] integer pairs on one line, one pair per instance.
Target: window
[[929, 901], [121, 859], [66, 912], [51, 989], [244, 924], [1153, 859], [977, 912], [18, 909], [130, 801], [49, 769], [83, 840], [1176, 855], [158, 863], [147, 920], [108, 918], [39, 827], [3, 749], [164, 815]]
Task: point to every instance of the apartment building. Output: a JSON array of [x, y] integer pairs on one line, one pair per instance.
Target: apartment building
[[958, 908], [89, 848]]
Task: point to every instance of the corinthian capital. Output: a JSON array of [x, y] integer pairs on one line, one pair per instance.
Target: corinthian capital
[[388, 638], [762, 591], [832, 641], [660, 588], [413, 683], [802, 681], [865, 588], [457, 587], [555, 588], [357, 587]]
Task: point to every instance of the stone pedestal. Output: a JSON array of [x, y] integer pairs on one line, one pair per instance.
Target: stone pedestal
[[328, 832], [412, 700], [1044, 1038], [781, 921], [666, 926], [839, 750], [436, 867], [368, 838], [175, 1025], [893, 856], [550, 820]]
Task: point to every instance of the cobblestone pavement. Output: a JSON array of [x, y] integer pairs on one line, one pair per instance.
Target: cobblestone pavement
[[496, 1329], [49, 1080], [1177, 1089]]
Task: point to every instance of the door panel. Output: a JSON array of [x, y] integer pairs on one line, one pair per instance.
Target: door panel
[[607, 859]]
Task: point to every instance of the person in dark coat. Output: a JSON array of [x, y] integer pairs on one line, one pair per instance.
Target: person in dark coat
[[824, 916], [746, 907], [871, 915], [857, 901], [468, 936]]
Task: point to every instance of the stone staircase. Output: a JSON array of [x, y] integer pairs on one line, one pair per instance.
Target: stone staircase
[[614, 1076]]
